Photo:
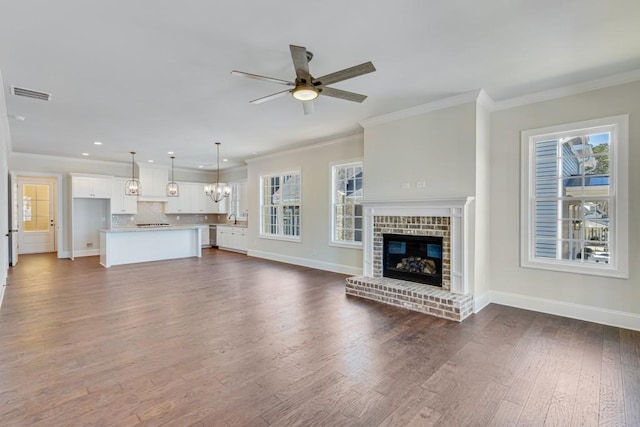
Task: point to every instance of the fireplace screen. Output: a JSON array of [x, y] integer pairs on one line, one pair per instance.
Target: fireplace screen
[[413, 258]]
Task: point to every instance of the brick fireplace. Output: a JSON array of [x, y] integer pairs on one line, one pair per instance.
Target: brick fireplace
[[446, 218]]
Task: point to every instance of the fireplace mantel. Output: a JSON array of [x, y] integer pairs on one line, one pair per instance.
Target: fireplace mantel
[[456, 208]]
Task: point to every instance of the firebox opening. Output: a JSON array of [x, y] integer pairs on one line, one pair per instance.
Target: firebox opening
[[413, 258]]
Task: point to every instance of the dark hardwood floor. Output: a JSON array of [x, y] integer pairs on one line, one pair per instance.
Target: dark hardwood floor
[[232, 340]]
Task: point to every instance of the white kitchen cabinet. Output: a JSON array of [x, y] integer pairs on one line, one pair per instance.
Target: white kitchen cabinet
[[200, 199], [153, 182], [184, 203], [192, 200], [241, 239], [232, 238], [90, 186], [120, 202]]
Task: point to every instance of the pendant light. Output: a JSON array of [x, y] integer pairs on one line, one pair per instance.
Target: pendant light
[[217, 191], [132, 187], [172, 187]]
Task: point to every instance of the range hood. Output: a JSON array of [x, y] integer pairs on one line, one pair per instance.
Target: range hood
[[153, 182]]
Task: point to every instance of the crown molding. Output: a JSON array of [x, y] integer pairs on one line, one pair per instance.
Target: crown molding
[[485, 100], [242, 168], [97, 161], [53, 158], [601, 83], [323, 144], [424, 108]]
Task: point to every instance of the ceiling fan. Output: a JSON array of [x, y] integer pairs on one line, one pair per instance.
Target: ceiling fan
[[306, 88]]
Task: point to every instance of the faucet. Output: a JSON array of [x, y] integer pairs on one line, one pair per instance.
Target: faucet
[[235, 218]]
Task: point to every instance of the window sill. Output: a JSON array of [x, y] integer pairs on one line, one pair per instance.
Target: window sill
[[346, 245], [281, 238], [599, 269]]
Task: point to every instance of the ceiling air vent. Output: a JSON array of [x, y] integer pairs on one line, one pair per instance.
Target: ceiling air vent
[[29, 93]]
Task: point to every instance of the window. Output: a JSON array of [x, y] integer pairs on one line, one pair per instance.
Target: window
[[280, 206], [574, 197], [346, 208], [237, 204], [35, 207], [234, 200]]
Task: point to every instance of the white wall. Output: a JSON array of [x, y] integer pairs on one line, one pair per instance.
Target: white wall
[[315, 166], [481, 212], [232, 175], [86, 227], [551, 291], [4, 207], [446, 144], [437, 147]]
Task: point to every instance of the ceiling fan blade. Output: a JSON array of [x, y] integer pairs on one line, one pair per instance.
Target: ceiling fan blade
[[263, 78], [300, 62], [343, 94], [269, 97], [308, 107], [347, 73]]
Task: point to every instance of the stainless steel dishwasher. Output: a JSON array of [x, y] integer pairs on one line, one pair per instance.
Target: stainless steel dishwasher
[[213, 236]]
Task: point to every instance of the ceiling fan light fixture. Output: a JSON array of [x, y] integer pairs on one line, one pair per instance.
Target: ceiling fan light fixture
[[305, 92]]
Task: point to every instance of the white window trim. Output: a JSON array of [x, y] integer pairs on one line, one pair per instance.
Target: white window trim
[[332, 234], [240, 216], [619, 181], [261, 234]]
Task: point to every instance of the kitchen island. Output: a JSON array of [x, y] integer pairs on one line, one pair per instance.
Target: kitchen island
[[131, 245]]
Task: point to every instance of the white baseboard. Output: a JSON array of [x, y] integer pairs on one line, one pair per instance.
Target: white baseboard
[[621, 319], [64, 254], [2, 288], [87, 252], [320, 265], [480, 302]]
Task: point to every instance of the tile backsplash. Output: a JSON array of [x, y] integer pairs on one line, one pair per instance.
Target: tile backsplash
[[153, 213]]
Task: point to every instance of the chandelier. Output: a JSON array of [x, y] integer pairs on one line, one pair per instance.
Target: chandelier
[[217, 191], [172, 187], [132, 186]]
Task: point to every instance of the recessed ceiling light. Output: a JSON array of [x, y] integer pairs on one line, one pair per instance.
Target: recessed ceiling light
[[254, 152], [150, 161], [200, 166], [169, 152], [225, 160], [85, 154], [17, 117], [97, 143]]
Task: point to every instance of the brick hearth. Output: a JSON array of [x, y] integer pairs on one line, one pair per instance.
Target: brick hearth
[[413, 296]]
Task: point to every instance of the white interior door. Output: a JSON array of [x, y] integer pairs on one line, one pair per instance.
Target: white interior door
[[36, 224]]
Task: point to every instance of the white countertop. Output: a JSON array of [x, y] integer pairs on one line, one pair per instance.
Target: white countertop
[[139, 229]]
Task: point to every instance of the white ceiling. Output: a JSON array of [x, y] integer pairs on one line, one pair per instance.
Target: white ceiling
[[153, 76]]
